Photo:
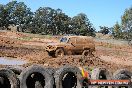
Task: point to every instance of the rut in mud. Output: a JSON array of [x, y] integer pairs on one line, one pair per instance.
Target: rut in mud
[[21, 46]]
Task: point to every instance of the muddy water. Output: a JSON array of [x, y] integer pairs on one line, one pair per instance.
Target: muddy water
[[11, 61]]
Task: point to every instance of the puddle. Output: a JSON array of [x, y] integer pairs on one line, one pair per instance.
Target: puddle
[[11, 61]]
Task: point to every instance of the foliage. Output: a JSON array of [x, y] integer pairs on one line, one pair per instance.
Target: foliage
[[16, 14], [126, 21], [104, 30], [82, 26], [117, 31], [123, 30], [44, 20], [3, 17]]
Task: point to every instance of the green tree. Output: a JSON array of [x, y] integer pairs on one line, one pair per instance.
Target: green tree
[[15, 13], [62, 22], [19, 14], [4, 17], [82, 26], [43, 20], [50, 21], [117, 31], [126, 21], [104, 30]]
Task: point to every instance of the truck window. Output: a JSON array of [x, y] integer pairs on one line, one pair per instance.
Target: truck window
[[64, 39], [72, 40], [80, 41]]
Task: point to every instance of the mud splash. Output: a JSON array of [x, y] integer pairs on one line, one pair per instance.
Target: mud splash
[[11, 61]]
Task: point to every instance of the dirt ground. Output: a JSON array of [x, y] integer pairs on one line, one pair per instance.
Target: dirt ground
[[30, 47]]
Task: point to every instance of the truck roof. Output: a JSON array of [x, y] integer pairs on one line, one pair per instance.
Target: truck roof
[[89, 37]]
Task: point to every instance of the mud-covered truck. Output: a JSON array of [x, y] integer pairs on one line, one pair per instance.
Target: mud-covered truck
[[69, 45]]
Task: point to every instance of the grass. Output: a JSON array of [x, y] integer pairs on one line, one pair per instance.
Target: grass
[[109, 45], [48, 36], [25, 38], [38, 35]]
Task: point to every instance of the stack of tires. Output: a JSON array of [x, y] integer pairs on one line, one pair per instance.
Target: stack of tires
[[39, 77], [64, 77]]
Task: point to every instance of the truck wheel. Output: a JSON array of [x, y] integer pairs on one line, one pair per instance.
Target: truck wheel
[[86, 53], [8, 79], [51, 54], [59, 52], [36, 77], [67, 77]]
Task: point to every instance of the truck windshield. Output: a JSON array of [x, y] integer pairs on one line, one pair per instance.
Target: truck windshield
[[64, 39]]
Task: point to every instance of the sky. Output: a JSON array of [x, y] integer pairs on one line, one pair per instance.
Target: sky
[[99, 12]]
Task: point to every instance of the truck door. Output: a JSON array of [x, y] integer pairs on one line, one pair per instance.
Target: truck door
[[72, 42], [80, 44]]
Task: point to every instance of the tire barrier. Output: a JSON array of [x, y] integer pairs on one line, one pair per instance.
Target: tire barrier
[[36, 77], [101, 74], [67, 77], [8, 79], [122, 74]]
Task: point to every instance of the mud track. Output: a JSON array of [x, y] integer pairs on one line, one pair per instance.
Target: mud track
[[30, 48]]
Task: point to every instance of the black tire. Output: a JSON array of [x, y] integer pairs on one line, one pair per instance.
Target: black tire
[[59, 52], [87, 53], [101, 74], [51, 54], [122, 74], [35, 74], [8, 79], [68, 77]]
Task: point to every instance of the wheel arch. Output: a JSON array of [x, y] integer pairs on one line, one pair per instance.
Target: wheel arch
[[62, 49], [86, 48]]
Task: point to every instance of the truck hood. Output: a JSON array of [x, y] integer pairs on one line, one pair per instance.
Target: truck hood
[[54, 44]]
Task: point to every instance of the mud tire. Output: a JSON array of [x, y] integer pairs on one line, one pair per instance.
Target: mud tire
[[60, 73], [87, 53], [48, 78], [59, 52], [51, 54], [11, 80], [122, 74]]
